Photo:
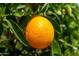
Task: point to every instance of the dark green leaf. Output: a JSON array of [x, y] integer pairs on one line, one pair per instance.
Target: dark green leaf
[[52, 7], [1, 29], [23, 21], [55, 24], [44, 7], [17, 31], [58, 17]]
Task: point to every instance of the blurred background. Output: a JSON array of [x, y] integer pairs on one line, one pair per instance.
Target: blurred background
[[14, 18]]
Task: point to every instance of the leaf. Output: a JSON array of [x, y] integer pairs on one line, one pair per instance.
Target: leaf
[[23, 21], [52, 7], [44, 7], [2, 49], [1, 29], [18, 14], [21, 6], [55, 49], [17, 31], [58, 17], [28, 11], [2, 11], [18, 46], [68, 9], [55, 24], [12, 17]]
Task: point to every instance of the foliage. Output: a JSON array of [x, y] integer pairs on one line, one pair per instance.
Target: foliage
[[64, 18]]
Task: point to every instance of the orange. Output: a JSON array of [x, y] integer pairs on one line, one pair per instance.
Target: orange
[[39, 32]]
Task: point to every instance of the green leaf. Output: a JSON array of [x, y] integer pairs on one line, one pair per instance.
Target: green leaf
[[68, 9], [55, 24], [17, 31], [28, 11], [1, 29], [55, 49], [44, 7], [23, 21], [72, 25], [21, 6], [52, 7], [2, 11], [18, 46], [58, 17], [18, 14]]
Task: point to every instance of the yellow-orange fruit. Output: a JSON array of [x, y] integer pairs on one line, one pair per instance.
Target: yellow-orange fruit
[[39, 32]]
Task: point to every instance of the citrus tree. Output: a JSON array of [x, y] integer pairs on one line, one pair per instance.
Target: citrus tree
[[15, 17]]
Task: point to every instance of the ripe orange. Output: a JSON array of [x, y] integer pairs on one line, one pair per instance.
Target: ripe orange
[[39, 32]]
